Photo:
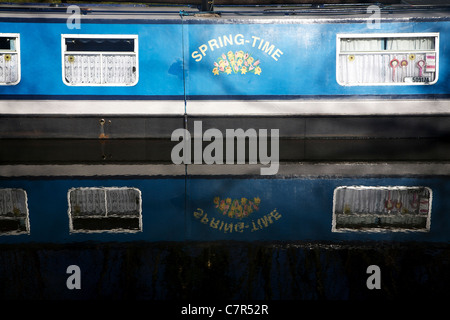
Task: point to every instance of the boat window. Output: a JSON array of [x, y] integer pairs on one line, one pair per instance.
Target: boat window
[[105, 210], [100, 60], [13, 212], [358, 208], [9, 59], [400, 59]]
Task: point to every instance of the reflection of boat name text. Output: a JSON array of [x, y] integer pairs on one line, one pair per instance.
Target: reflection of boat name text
[[241, 226]]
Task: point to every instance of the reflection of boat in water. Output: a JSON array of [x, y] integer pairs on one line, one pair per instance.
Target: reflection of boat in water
[[323, 201], [86, 125], [174, 223]]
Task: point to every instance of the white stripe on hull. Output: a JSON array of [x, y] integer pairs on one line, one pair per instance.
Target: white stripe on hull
[[226, 107], [318, 107], [92, 107]]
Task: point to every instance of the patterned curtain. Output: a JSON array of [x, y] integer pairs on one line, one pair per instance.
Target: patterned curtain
[[369, 61]]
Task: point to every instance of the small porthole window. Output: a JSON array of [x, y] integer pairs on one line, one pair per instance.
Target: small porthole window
[[9, 59], [387, 59], [115, 209], [13, 212], [360, 208], [100, 60]]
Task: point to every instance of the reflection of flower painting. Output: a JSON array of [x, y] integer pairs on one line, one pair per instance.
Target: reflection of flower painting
[[237, 62], [235, 208]]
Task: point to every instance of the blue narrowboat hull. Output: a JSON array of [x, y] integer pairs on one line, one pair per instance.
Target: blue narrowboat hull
[[87, 177], [298, 75]]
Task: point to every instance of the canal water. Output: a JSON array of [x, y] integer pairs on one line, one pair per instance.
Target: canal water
[[158, 231]]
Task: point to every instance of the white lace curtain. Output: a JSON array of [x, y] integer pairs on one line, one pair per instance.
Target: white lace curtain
[[13, 202], [9, 68], [104, 202], [394, 44], [100, 68], [354, 200]]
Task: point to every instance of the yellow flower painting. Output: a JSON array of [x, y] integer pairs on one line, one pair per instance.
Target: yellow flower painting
[[236, 63]]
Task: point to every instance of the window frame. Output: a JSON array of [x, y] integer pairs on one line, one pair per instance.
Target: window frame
[[340, 36], [17, 36], [100, 36], [427, 228], [26, 216], [105, 189]]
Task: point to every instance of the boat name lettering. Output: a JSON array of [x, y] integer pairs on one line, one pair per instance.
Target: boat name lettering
[[238, 40]]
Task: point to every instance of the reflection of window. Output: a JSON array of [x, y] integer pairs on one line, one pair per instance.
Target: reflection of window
[[9, 59], [105, 209], [90, 60], [13, 212], [381, 208], [396, 59]]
